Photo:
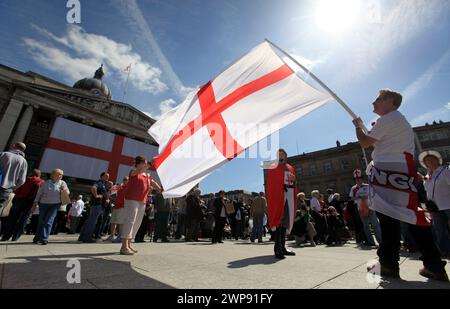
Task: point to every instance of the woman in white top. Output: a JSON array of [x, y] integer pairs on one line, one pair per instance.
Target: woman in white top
[[49, 200], [437, 185]]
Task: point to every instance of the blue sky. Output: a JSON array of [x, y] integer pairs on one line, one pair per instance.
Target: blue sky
[[177, 45]]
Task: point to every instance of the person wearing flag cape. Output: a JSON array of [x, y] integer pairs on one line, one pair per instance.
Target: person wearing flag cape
[[281, 191]]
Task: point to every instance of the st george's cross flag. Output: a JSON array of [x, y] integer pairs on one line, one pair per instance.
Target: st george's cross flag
[[254, 97], [85, 152]]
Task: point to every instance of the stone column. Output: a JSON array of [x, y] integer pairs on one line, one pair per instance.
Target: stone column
[[8, 121], [24, 124]]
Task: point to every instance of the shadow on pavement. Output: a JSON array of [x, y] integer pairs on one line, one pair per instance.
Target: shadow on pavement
[[402, 284], [51, 272], [249, 243], [257, 260]]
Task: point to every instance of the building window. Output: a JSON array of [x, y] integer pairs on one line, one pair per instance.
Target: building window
[[302, 187], [348, 187], [33, 150], [424, 137], [328, 167], [435, 136], [332, 185], [363, 162], [315, 186], [31, 165], [299, 171], [43, 122], [344, 164], [313, 170], [446, 153]]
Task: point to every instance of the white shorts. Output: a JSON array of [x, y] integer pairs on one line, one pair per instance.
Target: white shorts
[[133, 214], [117, 216]]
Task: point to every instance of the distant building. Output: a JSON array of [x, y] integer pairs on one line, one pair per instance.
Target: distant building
[[31, 105], [329, 168], [435, 136], [234, 195]]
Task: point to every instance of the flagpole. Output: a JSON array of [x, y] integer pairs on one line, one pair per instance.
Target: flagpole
[[126, 85], [338, 99]]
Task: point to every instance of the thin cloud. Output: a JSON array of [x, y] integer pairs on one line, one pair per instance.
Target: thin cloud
[[374, 39], [57, 60], [164, 107], [438, 114], [134, 15], [308, 63], [422, 81], [77, 54], [167, 105]]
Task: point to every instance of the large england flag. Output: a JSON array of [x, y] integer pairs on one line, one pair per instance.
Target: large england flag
[[256, 96], [85, 152]]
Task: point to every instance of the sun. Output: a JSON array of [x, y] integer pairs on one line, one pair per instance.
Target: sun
[[337, 16]]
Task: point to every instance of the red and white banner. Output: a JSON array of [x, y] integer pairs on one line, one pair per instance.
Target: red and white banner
[[256, 96], [394, 190], [85, 152]]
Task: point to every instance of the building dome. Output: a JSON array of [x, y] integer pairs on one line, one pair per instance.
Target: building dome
[[95, 86]]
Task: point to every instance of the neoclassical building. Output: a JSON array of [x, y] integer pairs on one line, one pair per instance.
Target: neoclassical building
[[31, 105]]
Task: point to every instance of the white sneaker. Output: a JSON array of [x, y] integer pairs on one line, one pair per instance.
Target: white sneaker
[[110, 238]]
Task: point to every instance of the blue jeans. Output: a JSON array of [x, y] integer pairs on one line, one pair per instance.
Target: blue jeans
[[371, 219], [47, 214], [17, 219], [257, 230], [440, 229], [4, 196], [88, 228]]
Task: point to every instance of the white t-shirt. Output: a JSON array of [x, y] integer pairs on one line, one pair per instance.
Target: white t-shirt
[[359, 192], [394, 136], [77, 209], [315, 204], [330, 198], [442, 188], [223, 213]]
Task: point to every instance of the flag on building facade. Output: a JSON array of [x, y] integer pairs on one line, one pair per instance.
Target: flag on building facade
[[85, 152]]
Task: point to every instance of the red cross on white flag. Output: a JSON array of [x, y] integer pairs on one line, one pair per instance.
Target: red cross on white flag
[[127, 68], [85, 152], [256, 96]]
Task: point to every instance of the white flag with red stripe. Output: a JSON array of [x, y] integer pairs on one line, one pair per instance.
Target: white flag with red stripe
[[85, 152], [256, 96]]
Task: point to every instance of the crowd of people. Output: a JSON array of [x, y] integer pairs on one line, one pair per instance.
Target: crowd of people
[[375, 215], [113, 213]]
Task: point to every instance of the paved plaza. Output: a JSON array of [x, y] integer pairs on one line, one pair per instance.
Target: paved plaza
[[232, 265]]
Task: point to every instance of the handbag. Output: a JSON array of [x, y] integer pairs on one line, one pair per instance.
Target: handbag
[[363, 209], [7, 208], [229, 208], [65, 198]]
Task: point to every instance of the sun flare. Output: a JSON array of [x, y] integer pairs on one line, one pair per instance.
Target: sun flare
[[337, 16]]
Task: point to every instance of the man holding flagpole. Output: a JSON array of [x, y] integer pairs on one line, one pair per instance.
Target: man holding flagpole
[[281, 187], [393, 188]]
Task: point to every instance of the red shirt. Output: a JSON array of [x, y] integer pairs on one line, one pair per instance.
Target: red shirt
[[30, 188], [120, 197], [138, 187]]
